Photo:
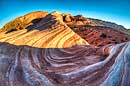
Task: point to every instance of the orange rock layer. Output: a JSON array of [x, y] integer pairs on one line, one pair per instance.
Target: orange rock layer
[[50, 52], [44, 35]]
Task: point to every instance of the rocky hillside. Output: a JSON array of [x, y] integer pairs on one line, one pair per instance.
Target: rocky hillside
[[50, 32], [82, 26], [23, 22], [101, 35], [54, 49], [80, 20], [97, 22]]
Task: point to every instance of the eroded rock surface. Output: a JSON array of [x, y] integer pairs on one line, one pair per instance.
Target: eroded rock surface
[[75, 66], [59, 50], [101, 36], [50, 32]]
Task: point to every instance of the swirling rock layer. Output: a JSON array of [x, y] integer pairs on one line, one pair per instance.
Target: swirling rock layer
[[50, 32], [50, 53], [75, 66]]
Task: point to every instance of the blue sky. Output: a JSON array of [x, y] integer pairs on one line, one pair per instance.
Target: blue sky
[[117, 11]]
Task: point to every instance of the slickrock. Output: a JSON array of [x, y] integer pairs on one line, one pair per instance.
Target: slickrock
[[75, 66], [50, 32], [67, 17], [23, 22], [57, 50]]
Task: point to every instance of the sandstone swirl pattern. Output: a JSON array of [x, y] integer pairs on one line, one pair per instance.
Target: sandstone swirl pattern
[[51, 32], [49, 53]]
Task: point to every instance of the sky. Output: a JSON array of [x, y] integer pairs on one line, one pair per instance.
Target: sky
[[117, 11]]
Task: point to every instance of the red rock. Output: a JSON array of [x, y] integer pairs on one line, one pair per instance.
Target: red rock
[[100, 36], [51, 53]]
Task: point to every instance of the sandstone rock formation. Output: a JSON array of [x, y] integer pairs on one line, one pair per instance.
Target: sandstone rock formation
[[100, 35], [75, 66], [23, 22], [63, 50], [67, 17], [50, 32], [97, 22]]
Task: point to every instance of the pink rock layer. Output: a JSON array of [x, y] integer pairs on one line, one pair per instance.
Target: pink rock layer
[[50, 53], [75, 66]]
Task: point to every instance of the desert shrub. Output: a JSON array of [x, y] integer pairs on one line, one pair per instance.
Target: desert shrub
[[103, 35]]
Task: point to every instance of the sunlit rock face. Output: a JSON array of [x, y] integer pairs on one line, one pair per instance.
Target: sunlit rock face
[[23, 22], [50, 52], [50, 32]]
